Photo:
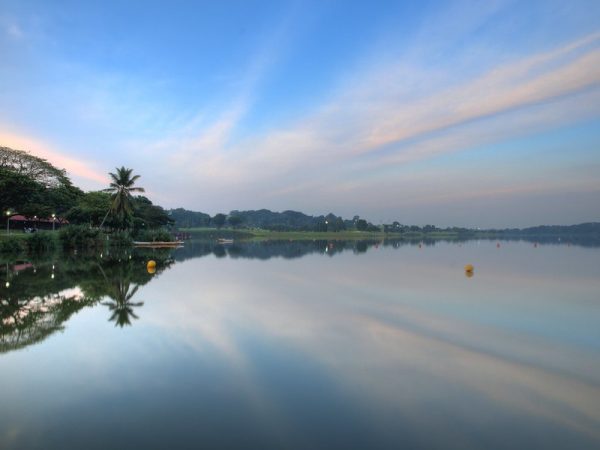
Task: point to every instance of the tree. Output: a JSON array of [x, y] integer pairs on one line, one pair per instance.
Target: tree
[[219, 220], [90, 209], [361, 224], [19, 193], [61, 199], [234, 221], [34, 187], [121, 187], [147, 215], [33, 167], [189, 219], [339, 224]]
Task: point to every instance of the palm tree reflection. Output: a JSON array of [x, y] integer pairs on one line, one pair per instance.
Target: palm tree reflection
[[122, 306], [121, 290]]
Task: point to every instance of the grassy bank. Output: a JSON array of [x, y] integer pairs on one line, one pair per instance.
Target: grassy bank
[[73, 237], [259, 234]]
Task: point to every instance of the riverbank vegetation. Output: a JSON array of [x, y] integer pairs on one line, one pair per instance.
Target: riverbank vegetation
[[34, 190], [37, 197]]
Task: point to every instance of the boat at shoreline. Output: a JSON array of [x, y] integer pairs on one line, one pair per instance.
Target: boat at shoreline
[[225, 241]]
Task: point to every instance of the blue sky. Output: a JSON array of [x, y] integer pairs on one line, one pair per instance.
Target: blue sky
[[452, 113]]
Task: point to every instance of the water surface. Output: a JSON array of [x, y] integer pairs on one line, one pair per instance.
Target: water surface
[[304, 345]]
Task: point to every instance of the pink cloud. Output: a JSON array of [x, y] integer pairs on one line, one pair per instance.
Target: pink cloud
[[74, 167]]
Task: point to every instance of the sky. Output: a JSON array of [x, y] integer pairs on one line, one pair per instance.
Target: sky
[[479, 114]]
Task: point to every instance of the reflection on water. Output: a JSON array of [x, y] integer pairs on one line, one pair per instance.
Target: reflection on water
[[297, 249], [120, 290], [39, 297], [278, 345]]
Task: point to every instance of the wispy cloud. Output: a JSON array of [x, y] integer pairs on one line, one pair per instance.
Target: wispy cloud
[[11, 28], [444, 87], [387, 116]]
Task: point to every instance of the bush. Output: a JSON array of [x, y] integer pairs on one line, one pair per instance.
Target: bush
[[120, 239], [11, 246], [40, 242], [80, 236], [154, 236]]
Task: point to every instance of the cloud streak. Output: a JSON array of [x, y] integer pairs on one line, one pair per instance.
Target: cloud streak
[[378, 126], [393, 115]]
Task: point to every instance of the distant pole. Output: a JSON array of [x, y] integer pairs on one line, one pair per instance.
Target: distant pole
[[7, 223], [53, 220]]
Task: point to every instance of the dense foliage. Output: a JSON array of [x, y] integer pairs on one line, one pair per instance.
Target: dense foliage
[[31, 186], [36, 169], [263, 218], [121, 188], [81, 236], [189, 219]]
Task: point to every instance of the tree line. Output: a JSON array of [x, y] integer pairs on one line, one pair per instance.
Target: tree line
[[32, 186]]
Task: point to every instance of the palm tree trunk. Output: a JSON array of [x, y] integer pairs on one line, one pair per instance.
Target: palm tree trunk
[[105, 216]]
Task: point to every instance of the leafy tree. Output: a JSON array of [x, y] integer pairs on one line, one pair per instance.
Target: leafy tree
[[321, 225], [361, 225], [62, 198], [188, 219], [147, 215], [33, 167], [33, 186], [19, 193], [219, 220], [234, 221], [339, 224], [90, 209], [121, 187]]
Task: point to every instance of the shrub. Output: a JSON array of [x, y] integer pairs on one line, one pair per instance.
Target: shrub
[[11, 246], [120, 239], [158, 235], [80, 236], [40, 242]]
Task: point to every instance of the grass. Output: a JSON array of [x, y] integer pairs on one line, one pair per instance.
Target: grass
[[260, 234], [17, 234]]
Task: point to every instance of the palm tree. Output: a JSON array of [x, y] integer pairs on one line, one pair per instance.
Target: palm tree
[[121, 188]]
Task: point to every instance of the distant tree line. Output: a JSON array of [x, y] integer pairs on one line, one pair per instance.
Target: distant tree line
[[32, 186], [268, 220]]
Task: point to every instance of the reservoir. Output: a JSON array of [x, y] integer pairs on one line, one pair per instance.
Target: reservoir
[[304, 345]]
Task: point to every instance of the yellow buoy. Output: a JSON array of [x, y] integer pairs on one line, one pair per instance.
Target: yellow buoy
[[151, 264], [469, 268], [151, 270]]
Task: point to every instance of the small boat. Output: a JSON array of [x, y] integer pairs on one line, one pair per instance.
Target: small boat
[[158, 244], [225, 241]]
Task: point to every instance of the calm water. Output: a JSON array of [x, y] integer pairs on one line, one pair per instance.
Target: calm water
[[304, 345]]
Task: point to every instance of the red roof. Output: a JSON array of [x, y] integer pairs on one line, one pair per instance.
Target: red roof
[[21, 218]]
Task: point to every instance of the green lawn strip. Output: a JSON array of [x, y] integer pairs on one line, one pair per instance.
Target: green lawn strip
[[260, 234]]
